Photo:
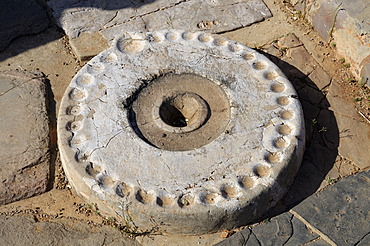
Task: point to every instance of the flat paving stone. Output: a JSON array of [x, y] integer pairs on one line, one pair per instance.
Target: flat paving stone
[[341, 212], [353, 130], [24, 136], [111, 17], [284, 229], [20, 18], [25, 230]]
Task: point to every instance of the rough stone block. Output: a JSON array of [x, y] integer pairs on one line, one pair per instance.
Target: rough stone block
[[24, 137], [340, 211], [88, 45], [19, 18]]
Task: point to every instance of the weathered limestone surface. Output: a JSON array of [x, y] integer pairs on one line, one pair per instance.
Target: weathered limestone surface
[[24, 136], [341, 211], [19, 18], [112, 17], [24, 230], [110, 159]]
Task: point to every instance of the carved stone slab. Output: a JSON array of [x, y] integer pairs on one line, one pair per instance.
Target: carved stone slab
[[186, 131]]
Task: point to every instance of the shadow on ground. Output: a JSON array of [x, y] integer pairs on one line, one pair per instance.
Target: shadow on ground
[[19, 18], [322, 138]]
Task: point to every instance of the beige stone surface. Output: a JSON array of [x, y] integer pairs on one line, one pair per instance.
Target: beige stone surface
[[87, 45], [354, 132], [24, 136]]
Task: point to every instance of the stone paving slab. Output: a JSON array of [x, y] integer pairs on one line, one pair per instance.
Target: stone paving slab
[[111, 18], [19, 18], [353, 131], [25, 230], [344, 23], [341, 212], [24, 136], [284, 229]]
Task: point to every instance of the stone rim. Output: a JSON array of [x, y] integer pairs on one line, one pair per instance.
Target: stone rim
[[211, 122]]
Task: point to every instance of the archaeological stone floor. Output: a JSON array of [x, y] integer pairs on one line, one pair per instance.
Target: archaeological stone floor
[[41, 51]]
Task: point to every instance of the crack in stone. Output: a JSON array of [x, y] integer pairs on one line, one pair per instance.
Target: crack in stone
[[19, 85], [115, 15], [291, 225], [259, 242], [245, 240], [142, 15], [362, 238], [108, 142]]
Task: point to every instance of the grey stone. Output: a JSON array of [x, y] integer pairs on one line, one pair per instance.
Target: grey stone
[[301, 234], [340, 211], [24, 136], [364, 241], [25, 230], [19, 18], [318, 242], [112, 17], [280, 230], [275, 232]]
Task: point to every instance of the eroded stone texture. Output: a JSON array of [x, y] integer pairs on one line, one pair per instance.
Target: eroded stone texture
[[108, 154], [24, 136], [340, 211], [111, 17], [19, 18]]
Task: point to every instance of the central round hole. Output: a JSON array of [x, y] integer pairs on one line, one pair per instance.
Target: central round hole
[[180, 110]]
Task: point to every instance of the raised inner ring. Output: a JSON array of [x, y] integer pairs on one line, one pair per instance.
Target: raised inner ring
[[181, 112]]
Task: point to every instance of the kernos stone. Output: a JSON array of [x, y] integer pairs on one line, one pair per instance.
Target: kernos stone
[[24, 136], [186, 132]]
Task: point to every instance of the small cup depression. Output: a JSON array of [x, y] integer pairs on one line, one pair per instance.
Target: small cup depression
[[184, 110]]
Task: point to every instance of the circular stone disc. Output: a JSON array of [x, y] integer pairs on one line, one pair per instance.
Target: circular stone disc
[[187, 132]]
